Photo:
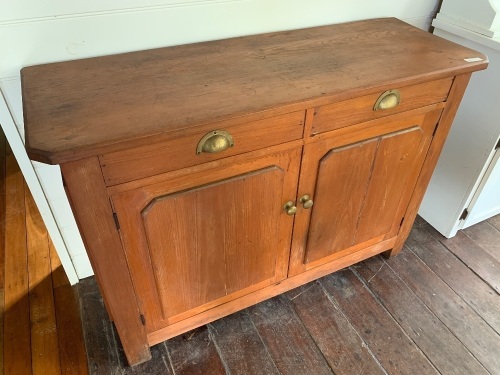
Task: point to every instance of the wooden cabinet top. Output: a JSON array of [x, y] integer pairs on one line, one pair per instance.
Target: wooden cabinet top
[[87, 107]]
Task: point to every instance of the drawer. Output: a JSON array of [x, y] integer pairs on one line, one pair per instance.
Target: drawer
[[182, 149], [353, 111]]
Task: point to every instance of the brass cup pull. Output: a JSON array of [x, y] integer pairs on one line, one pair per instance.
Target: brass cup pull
[[389, 99], [306, 201], [290, 208], [215, 141]]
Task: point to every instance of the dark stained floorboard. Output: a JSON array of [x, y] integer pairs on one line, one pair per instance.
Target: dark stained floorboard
[[487, 236], [158, 365], [494, 222], [473, 255], [471, 288], [241, 347], [292, 348], [194, 353], [467, 325], [443, 349], [102, 352], [339, 342], [427, 311], [392, 347]]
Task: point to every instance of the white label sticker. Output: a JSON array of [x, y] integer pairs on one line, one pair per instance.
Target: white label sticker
[[473, 59]]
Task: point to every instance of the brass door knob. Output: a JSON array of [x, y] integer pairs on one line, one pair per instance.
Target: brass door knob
[[290, 208], [306, 201]]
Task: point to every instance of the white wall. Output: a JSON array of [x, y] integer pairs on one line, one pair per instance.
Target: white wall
[[34, 32]]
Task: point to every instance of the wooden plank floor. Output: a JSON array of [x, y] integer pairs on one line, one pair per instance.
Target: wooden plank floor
[[40, 326], [434, 309]]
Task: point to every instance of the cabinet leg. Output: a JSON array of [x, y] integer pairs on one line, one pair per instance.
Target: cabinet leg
[[93, 213], [392, 252]]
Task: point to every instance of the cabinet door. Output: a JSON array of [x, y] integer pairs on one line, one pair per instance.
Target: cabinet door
[[209, 235], [360, 180]]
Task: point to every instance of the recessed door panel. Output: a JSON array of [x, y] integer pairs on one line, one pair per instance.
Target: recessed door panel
[[392, 167], [196, 240], [360, 182], [343, 178], [208, 242]]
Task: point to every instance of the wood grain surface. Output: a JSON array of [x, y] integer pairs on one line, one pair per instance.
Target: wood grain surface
[[16, 319], [455, 97], [86, 107], [455, 273], [354, 111], [288, 341], [191, 265], [455, 313], [342, 347], [241, 347], [426, 328], [237, 192], [44, 342], [394, 350], [94, 215], [194, 353], [180, 151]]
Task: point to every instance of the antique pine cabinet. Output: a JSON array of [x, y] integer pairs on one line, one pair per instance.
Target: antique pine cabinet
[[208, 177]]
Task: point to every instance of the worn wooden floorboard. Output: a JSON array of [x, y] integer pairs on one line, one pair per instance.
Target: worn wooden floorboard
[[471, 288], [17, 338], [339, 342], [487, 236], [44, 344], [473, 255], [72, 350], [195, 353], [240, 346], [102, 352], [465, 323], [395, 351], [494, 222], [158, 365], [424, 326], [290, 344]]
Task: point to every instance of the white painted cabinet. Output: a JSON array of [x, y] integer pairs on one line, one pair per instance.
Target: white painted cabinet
[[465, 187]]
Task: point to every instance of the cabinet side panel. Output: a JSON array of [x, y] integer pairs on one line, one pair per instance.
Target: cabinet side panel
[[456, 93], [94, 216]]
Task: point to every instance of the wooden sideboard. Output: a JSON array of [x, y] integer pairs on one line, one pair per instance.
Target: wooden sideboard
[[208, 177]]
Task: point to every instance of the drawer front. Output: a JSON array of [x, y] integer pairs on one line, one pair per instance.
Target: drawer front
[[184, 151], [353, 111]]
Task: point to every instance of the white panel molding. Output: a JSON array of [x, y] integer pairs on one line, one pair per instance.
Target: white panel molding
[[480, 16], [36, 11]]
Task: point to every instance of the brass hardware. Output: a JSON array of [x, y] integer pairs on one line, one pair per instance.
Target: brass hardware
[[215, 141], [290, 208], [306, 201], [389, 99]]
